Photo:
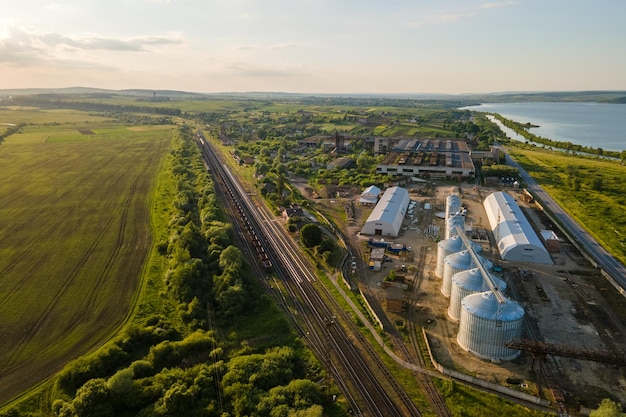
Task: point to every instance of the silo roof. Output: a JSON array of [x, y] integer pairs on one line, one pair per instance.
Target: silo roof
[[472, 279], [486, 305]]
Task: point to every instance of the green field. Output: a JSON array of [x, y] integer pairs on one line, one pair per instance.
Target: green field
[[593, 191], [74, 234]]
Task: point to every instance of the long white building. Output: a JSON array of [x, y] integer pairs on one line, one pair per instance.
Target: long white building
[[514, 235], [386, 218]]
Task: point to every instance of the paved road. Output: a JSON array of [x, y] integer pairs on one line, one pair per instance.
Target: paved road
[[611, 266]]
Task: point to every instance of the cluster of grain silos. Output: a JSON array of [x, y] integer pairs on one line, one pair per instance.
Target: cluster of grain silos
[[454, 224], [487, 320], [448, 247], [458, 262], [469, 282], [453, 205], [454, 219]]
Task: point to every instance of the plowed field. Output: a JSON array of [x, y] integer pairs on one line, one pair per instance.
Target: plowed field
[[74, 234]]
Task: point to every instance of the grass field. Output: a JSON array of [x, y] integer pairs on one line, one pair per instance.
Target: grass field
[[74, 234], [30, 115], [599, 202]]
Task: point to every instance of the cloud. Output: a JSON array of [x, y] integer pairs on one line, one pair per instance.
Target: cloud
[[497, 4], [57, 7], [456, 15], [23, 48], [270, 47], [106, 43], [242, 69], [284, 45], [441, 18]]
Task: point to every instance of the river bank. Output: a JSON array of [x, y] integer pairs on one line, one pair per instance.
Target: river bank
[[600, 125]]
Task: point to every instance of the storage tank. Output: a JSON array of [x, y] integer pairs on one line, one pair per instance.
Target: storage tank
[[452, 223], [469, 282], [448, 247], [453, 205], [458, 262], [487, 324]]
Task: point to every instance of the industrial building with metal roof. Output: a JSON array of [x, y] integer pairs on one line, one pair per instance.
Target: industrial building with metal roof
[[386, 218], [515, 238], [429, 158], [370, 195]]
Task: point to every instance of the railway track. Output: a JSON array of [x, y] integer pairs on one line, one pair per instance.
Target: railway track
[[368, 386], [424, 380]]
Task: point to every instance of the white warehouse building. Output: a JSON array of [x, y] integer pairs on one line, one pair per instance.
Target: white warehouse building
[[514, 235], [386, 218]]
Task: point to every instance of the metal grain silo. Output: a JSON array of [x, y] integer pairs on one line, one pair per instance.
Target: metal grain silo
[[448, 247], [469, 282], [453, 205], [487, 323], [452, 223], [458, 262]]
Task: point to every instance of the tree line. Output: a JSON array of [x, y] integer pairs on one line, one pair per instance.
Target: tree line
[[184, 357], [45, 101]]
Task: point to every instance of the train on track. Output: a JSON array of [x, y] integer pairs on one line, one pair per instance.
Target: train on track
[[250, 234]]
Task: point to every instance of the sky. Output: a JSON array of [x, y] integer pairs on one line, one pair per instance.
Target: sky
[[315, 46]]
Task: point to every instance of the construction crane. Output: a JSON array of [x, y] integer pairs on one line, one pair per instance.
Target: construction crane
[[478, 263]]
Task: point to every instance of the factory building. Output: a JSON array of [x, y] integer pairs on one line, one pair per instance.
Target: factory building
[[515, 238], [386, 218], [429, 158]]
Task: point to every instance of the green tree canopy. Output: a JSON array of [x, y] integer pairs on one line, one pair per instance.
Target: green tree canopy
[[311, 235], [608, 408]]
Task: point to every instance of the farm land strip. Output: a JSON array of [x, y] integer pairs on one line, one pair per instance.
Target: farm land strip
[[74, 235], [597, 202]]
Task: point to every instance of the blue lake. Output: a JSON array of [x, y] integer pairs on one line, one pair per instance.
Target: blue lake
[[596, 125]]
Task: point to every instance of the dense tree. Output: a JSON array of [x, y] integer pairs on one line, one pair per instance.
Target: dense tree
[[311, 235], [92, 400], [230, 259], [499, 171], [608, 408]]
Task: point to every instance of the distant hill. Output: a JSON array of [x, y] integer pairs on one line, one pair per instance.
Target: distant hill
[[164, 95], [99, 92], [568, 96]]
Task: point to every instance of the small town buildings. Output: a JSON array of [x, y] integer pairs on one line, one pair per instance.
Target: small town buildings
[[292, 211], [551, 241], [341, 163], [394, 298], [370, 195]]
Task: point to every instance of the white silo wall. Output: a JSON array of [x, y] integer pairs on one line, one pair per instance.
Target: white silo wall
[[452, 264], [448, 247], [486, 325], [469, 282]]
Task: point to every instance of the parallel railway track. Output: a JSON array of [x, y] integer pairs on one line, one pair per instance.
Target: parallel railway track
[[424, 380], [366, 383]]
